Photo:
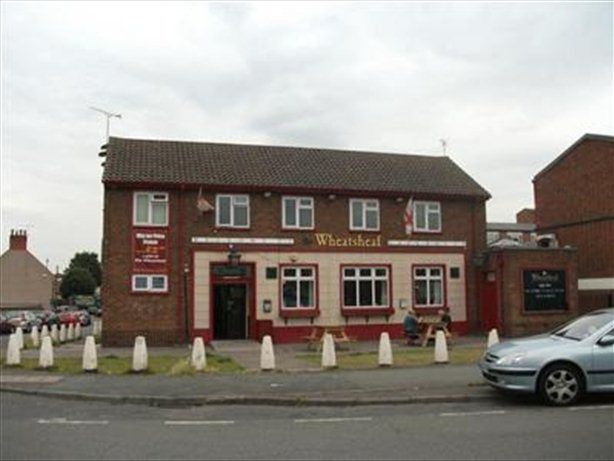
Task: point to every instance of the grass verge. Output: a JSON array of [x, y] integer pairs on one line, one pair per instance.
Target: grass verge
[[112, 365], [414, 357]]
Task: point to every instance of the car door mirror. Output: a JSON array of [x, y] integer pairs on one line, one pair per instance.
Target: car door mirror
[[607, 340]]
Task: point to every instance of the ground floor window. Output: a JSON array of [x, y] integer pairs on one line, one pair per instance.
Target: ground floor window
[[428, 286], [298, 287], [147, 283], [366, 286]]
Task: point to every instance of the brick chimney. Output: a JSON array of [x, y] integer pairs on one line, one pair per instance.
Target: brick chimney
[[18, 240]]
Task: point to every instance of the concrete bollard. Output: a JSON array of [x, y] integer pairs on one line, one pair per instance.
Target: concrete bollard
[[329, 358], [384, 357], [70, 333], [90, 357], [63, 333], [45, 357], [96, 328], [44, 332], [493, 338], [34, 337], [267, 355], [13, 353], [54, 333], [78, 331], [19, 336], [139, 355], [441, 347], [199, 357]]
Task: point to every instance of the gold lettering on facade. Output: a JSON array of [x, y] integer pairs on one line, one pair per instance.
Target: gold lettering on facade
[[331, 240]]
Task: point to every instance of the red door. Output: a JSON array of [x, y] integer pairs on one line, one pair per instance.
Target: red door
[[489, 301]]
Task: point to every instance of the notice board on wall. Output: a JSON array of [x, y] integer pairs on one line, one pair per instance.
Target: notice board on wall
[[150, 250], [544, 290]]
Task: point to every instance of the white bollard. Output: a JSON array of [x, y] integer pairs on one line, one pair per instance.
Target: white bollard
[[45, 358], [13, 354], [19, 336], [329, 358], [34, 336], [267, 355], [384, 357], [493, 338], [70, 334], [78, 331], [199, 357], [96, 328], [63, 333], [54, 333], [90, 357], [441, 347], [44, 332], [139, 355]]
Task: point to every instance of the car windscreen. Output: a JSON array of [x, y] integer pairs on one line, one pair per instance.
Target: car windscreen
[[584, 326]]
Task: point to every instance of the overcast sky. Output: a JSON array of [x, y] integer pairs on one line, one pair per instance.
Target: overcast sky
[[509, 85]]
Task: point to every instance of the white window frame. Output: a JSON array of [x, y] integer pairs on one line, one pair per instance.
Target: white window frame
[[428, 278], [149, 288], [361, 278], [233, 198], [298, 279], [151, 198], [297, 214], [429, 208], [364, 202]]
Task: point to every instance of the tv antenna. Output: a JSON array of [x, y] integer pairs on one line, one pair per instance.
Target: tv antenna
[[444, 145], [108, 115]]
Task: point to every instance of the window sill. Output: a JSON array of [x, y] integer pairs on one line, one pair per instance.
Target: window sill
[[430, 310], [366, 311], [299, 313]]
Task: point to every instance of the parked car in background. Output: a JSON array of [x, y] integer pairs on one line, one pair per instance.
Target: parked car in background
[[48, 317], [24, 319], [5, 326], [68, 314], [85, 318], [559, 366]]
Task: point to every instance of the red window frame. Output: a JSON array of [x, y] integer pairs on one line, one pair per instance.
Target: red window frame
[[299, 312], [354, 311], [425, 308]]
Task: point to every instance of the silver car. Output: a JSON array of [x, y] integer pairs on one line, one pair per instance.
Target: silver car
[[559, 366]]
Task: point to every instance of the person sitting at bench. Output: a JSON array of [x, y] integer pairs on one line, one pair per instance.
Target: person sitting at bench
[[410, 326], [445, 319]]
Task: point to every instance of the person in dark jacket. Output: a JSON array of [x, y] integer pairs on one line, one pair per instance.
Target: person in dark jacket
[[410, 326]]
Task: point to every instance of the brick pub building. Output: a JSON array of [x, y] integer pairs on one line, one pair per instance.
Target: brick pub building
[[237, 241], [574, 202]]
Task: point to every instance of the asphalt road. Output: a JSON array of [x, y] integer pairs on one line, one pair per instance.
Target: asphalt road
[[503, 428]]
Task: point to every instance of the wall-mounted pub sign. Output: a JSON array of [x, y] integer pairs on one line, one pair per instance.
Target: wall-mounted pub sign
[[150, 250], [332, 240], [544, 290]]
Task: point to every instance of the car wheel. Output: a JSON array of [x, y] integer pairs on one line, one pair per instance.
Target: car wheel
[[560, 385]]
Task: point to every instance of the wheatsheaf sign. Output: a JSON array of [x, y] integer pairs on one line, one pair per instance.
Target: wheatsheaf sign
[[332, 240], [544, 290]]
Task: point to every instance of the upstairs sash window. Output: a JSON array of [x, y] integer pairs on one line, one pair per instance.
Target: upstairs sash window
[[297, 213], [150, 209], [232, 211], [427, 216], [364, 214]]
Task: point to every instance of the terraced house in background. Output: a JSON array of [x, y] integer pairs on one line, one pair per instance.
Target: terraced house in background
[[233, 241]]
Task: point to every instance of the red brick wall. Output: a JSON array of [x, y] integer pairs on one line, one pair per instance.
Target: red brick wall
[[161, 316], [515, 321], [526, 216], [580, 187]]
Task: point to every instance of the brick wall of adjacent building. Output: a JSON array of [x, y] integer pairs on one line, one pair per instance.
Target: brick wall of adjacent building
[[161, 316], [574, 200], [526, 216], [508, 264]]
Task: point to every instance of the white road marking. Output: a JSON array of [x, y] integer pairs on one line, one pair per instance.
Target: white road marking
[[594, 407], [332, 420], [198, 423], [475, 413], [73, 422]]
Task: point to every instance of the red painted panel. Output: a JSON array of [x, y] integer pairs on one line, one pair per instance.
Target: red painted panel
[[489, 301]]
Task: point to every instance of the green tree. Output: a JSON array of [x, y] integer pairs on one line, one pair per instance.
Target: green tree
[[88, 261], [77, 281]]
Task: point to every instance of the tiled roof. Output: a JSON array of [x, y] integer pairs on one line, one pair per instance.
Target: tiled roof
[[214, 164]]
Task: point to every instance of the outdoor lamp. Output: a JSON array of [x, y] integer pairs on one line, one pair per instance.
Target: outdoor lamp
[[234, 257]]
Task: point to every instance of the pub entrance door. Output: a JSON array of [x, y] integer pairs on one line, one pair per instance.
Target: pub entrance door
[[230, 301]]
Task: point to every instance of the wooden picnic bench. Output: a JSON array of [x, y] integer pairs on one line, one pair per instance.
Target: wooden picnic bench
[[316, 338], [429, 326]]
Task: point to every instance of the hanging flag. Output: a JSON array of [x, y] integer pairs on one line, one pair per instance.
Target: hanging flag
[[408, 217], [202, 204]]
